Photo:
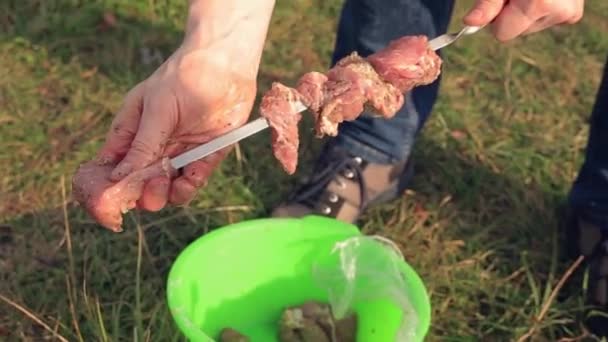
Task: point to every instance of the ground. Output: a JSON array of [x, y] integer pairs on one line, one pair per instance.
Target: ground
[[480, 223]]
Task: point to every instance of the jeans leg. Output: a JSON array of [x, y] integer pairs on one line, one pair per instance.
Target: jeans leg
[[589, 193], [367, 26]]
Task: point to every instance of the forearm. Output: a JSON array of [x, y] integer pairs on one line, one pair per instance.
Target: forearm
[[234, 29]]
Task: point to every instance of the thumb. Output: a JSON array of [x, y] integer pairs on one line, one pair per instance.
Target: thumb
[[158, 121], [483, 12]]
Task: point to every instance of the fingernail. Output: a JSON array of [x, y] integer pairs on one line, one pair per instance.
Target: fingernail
[[162, 188], [157, 195], [182, 192], [475, 15], [121, 171]]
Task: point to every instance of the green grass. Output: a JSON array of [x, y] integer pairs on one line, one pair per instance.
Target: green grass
[[493, 165]]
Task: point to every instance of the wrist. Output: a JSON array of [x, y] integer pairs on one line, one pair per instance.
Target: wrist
[[232, 30]]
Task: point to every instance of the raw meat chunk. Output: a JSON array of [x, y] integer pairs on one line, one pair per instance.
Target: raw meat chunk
[[280, 107], [105, 200]]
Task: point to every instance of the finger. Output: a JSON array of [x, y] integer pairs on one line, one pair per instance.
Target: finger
[[195, 175], [157, 123], [123, 128], [155, 194], [511, 22], [563, 13], [579, 11], [181, 192], [483, 12]]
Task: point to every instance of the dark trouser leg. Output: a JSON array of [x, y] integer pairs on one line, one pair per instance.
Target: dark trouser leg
[[589, 194], [367, 26], [587, 226]]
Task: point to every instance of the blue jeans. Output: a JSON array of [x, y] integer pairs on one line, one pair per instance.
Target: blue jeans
[[368, 25]]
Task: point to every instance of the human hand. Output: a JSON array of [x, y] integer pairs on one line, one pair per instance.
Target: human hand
[[206, 88], [192, 98], [512, 18]]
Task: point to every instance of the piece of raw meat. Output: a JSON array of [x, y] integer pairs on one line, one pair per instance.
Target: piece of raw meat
[[407, 62], [107, 201], [352, 86], [375, 85], [311, 87], [280, 107]]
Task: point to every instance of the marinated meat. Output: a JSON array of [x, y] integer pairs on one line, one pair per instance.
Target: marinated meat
[[280, 107], [375, 85], [311, 87], [352, 86], [105, 200], [407, 62]]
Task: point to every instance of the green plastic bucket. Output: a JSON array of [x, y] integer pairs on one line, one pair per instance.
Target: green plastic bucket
[[244, 275]]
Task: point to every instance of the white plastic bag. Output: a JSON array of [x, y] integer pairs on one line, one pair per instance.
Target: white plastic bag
[[366, 268]]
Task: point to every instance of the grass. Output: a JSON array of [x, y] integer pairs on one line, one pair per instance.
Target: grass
[[480, 224]]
